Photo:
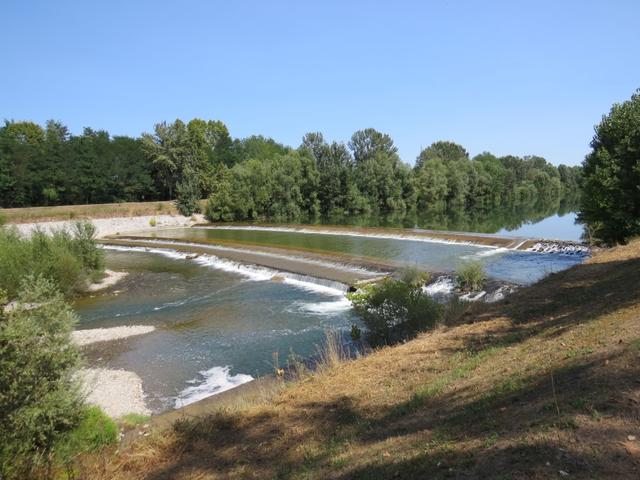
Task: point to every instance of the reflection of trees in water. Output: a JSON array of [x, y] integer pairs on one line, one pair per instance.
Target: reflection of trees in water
[[460, 219]]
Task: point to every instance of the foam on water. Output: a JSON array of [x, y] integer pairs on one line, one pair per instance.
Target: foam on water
[[326, 308], [442, 286], [486, 253], [210, 382], [313, 261], [250, 272]]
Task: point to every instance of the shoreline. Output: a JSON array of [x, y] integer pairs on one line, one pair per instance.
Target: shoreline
[[110, 279], [98, 335], [117, 392], [113, 225]]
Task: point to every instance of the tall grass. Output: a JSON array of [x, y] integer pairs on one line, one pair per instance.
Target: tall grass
[[68, 258], [470, 276]]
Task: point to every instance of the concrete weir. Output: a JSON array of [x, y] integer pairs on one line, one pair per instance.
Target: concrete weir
[[327, 267]]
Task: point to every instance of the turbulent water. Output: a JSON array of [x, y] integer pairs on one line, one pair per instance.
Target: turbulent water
[[218, 324]]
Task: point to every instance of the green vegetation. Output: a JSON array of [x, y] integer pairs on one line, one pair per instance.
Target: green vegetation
[[611, 202], [394, 310], [68, 259], [40, 398], [470, 276], [94, 432], [43, 419], [256, 177], [132, 420]]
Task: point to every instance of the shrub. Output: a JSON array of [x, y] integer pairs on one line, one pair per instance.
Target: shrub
[[40, 396], [393, 310], [414, 276], [470, 276], [66, 259], [95, 431]]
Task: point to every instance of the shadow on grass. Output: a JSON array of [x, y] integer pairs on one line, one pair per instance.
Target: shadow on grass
[[521, 427]]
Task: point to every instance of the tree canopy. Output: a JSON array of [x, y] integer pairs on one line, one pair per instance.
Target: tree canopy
[[257, 177], [610, 205]]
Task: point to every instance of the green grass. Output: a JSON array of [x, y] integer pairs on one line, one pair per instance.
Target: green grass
[[132, 420], [470, 276], [95, 432]]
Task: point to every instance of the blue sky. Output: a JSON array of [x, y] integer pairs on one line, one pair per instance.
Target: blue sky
[[508, 77]]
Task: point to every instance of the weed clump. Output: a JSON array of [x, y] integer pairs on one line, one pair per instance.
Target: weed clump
[[470, 276]]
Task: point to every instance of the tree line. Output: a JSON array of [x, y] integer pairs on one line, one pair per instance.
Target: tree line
[[257, 177]]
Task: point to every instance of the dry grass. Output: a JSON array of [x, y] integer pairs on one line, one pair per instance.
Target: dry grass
[[543, 383], [73, 212]]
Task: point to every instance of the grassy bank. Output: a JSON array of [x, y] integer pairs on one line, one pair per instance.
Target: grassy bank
[[542, 385], [73, 212]]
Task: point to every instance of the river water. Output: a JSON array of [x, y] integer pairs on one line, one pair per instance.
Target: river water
[[215, 329], [219, 325]]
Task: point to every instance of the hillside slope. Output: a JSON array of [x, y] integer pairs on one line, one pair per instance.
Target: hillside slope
[[543, 385]]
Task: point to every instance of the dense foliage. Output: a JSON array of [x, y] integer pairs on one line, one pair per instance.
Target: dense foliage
[[43, 419], [40, 399], [611, 202], [68, 259], [394, 310], [256, 177]]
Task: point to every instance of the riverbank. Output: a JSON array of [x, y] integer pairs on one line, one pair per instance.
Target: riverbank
[[113, 225], [541, 385], [117, 392]]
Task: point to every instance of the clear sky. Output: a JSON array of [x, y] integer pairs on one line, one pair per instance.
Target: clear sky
[[520, 77]]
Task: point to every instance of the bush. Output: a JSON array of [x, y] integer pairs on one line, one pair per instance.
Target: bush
[[414, 277], [393, 310], [64, 258], [470, 276], [40, 397], [95, 431]]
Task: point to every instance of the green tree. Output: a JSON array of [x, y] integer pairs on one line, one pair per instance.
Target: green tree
[[221, 203], [610, 203], [40, 399]]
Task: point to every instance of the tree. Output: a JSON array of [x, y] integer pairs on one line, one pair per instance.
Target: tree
[[167, 148], [610, 203], [220, 204], [365, 144], [40, 398], [431, 184]]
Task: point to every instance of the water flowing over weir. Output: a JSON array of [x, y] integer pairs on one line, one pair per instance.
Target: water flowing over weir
[[519, 261], [217, 322], [229, 305]]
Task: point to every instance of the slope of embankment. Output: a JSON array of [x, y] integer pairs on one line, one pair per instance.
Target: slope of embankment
[[542, 385]]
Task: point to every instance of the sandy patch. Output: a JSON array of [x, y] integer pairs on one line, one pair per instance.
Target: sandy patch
[[95, 335], [113, 226], [110, 279], [117, 392]]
